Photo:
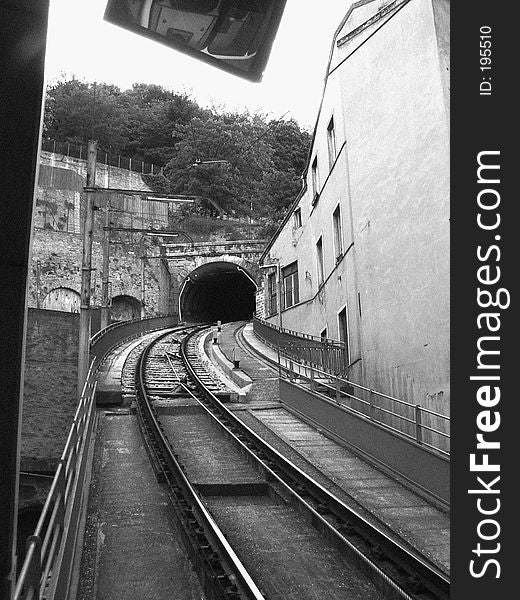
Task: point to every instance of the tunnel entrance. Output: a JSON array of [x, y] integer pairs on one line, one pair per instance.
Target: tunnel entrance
[[217, 291]]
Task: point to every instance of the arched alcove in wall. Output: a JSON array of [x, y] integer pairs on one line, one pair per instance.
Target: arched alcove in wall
[[62, 298], [125, 308]]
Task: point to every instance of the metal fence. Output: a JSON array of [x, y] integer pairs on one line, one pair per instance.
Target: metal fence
[[135, 164], [47, 567], [327, 354], [415, 422]]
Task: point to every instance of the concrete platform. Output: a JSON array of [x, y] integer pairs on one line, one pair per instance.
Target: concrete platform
[[130, 549]]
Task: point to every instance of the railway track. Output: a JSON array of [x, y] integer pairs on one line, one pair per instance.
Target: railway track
[[254, 524]]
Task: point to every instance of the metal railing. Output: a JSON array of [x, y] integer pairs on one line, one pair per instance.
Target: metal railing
[[135, 164], [105, 339], [422, 425], [331, 358], [325, 353], [49, 559]]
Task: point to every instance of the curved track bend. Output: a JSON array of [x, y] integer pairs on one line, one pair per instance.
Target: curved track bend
[[247, 514]]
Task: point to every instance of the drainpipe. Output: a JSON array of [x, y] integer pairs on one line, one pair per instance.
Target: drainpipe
[[280, 292]]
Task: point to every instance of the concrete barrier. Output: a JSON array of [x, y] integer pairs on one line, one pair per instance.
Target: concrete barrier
[[426, 470], [237, 376], [116, 333]]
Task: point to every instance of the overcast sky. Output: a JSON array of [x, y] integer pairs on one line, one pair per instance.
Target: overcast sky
[[80, 43]]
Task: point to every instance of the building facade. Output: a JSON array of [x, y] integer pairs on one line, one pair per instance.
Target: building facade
[[363, 254]]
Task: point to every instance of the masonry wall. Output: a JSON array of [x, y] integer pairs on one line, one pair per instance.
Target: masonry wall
[[57, 241], [391, 181], [106, 175], [56, 263]]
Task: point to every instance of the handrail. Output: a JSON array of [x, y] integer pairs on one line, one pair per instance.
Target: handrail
[[342, 390], [118, 324], [48, 552], [298, 334], [328, 354]]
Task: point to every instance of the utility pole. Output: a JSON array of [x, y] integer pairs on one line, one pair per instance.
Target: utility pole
[[280, 293], [105, 300], [143, 288], [86, 269], [38, 283]]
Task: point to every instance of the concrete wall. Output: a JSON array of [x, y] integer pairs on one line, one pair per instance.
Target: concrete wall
[[52, 336], [106, 175], [391, 181], [50, 380], [427, 470]]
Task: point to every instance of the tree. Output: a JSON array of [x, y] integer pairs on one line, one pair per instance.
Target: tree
[[76, 111], [290, 145], [229, 137], [263, 159]]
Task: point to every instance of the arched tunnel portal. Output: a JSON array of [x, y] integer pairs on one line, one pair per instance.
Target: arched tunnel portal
[[217, 291]]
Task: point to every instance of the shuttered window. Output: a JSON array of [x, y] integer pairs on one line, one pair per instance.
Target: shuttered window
[[290, 284]]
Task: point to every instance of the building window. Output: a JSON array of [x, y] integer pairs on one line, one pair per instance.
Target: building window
[[297, 218], [319, 261], [343, 328], [338, 233], [272, 303], [315, 180], [331, 142], [290, 285], [323, 335]]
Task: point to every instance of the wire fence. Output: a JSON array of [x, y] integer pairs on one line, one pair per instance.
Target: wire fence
[[69, 149]]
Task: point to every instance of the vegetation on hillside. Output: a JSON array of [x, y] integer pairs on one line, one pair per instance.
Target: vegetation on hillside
[[260, 160]]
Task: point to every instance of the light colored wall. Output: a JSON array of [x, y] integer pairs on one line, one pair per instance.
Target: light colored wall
[[392, 182]]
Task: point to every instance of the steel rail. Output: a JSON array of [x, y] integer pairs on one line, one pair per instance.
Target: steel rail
[[420, 570], [229, 560]]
